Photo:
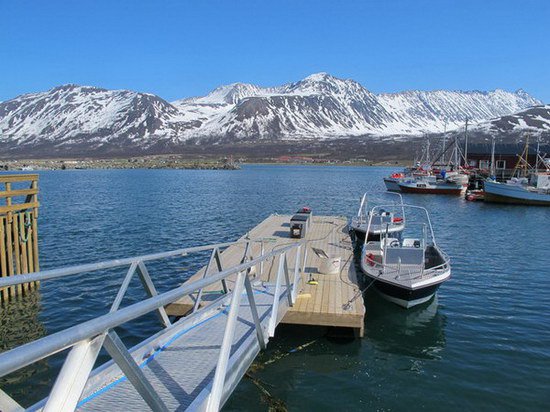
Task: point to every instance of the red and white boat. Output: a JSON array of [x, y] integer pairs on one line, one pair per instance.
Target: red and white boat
[[431, 185]]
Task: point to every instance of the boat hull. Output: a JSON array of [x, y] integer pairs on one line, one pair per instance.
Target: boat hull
[[406, 298], [503, 193], [432, 190], [360, 235], [392, 184]]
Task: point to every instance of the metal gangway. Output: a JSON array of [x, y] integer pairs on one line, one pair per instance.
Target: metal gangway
[[193, 363]]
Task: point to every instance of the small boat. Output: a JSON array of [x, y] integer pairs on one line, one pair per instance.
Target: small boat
[[431, 185], [392, 182], [520, 191], [406, 270], [534, 190], [383, 221], [476, 195]]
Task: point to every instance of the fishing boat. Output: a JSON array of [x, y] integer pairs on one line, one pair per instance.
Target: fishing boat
[[392, 182], [406, 267], [535, 191], [431, 185], [384, 220], [531, 187]]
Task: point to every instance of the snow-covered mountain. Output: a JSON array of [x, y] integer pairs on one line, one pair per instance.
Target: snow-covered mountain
[[70, 119], [535, 121]]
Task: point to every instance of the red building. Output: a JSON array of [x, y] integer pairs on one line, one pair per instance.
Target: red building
[[506, 157]]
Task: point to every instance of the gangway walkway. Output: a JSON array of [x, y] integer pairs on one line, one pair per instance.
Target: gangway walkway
[[192, 364]]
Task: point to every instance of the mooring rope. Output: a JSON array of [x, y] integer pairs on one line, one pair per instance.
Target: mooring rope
[[25, 227]]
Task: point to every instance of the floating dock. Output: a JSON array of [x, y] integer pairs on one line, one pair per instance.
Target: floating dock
[[232, 306], [330, 301]]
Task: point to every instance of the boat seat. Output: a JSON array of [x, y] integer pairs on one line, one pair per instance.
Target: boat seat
[[408, 256]]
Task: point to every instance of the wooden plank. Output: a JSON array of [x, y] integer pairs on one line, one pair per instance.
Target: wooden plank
[[18, 178], [9, 241], [3, 262], [315, 304], [18, 192], [18, 207]]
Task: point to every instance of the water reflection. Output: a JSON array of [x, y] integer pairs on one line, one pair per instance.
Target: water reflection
[[19, 324], [417, 332]]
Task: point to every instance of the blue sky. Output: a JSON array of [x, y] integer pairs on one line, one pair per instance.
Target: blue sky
[[184, 48]]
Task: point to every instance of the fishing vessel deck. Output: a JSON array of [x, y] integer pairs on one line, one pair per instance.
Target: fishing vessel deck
[[323, 304]]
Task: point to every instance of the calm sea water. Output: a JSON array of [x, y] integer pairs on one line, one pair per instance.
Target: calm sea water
[[484, 343]]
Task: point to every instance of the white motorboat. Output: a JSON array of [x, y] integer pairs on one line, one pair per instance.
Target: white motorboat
[[406, 267], [390, 220]]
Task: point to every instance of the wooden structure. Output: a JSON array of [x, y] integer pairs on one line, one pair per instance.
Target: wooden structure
[[18, 231], [507, 158], [333, 300]]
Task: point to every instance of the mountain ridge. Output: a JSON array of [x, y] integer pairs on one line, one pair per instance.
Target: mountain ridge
[[320, 106]]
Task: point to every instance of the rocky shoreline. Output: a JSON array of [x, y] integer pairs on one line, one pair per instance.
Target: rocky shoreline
[[146, 162]]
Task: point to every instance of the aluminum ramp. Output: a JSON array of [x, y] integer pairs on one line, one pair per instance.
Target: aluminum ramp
[[193, 363], [182, 371]]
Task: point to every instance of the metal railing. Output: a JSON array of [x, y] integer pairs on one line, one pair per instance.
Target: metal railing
[[86, 339], [401, 272]]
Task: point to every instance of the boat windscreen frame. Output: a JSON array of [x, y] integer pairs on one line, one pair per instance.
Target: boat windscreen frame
[[403, 206], [361, 215]]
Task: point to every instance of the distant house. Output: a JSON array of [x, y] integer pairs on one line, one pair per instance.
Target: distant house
[[506, 156]]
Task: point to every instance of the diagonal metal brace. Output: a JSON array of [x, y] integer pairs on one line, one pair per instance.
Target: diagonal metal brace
[[152, 291], [220, 268], [199, 295], [135, 375], [124, 287], [254, 310]]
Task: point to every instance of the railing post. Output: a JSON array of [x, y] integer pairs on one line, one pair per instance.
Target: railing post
[[262, 250], [218, 383], [305, 259], [399, 267], [297, 274], [275, 307], [288, 285]]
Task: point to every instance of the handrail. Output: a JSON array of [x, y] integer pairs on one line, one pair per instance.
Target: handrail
[[387, 268], [87, 339], [34, 351], [109, 264]]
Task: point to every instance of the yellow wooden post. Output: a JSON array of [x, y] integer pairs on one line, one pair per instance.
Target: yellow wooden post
[[3, 264]]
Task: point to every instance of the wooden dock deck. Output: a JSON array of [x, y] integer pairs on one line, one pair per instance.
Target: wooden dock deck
[[321, 304]]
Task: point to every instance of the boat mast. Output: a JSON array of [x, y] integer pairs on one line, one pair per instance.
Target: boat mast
[[444, 140], [466, 143], [523, 161], [538, 154], [427, 148], [493, 169]]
